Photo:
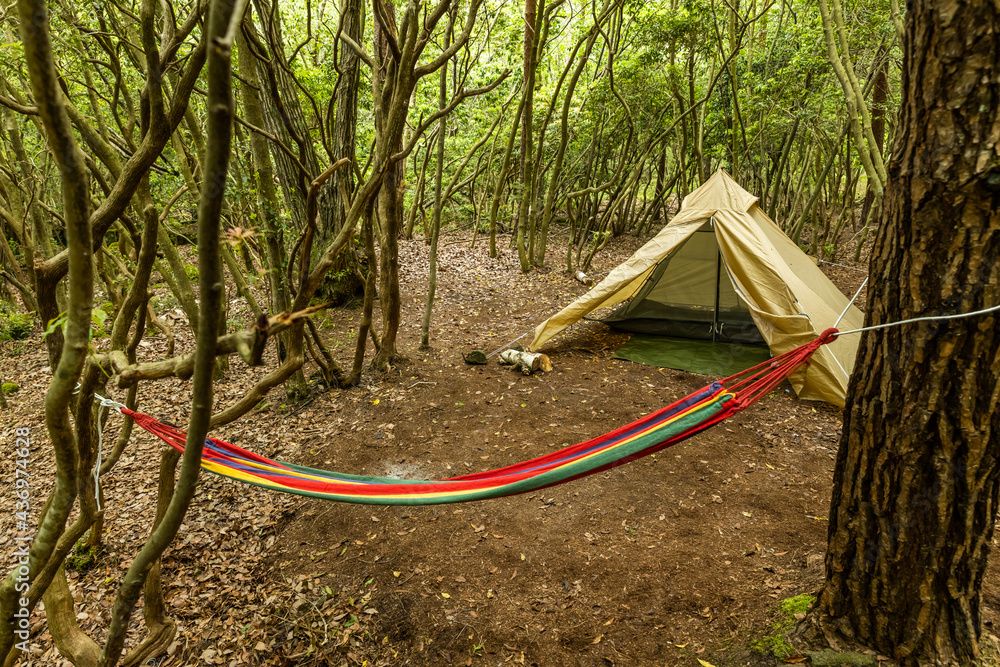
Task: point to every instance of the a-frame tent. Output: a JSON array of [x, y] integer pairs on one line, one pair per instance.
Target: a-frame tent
[[723, 267]]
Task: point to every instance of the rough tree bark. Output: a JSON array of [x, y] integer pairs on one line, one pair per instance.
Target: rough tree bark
[[344, 131], [390, 196], [530, 11], [267, 196], [917, 477]]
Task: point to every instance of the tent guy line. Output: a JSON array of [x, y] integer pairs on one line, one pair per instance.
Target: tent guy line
[[509, 343], [853, 299], [843, 266]]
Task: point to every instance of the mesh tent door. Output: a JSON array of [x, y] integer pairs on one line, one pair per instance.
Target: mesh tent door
[[690, 295]]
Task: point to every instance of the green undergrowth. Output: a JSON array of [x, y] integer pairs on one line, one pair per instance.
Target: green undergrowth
[[14, 325], [776, 643]]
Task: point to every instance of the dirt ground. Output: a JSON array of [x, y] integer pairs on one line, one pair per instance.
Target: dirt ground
[[671, 560]]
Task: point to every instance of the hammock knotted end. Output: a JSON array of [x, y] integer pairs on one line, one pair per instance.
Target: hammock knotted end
[[828, 336]]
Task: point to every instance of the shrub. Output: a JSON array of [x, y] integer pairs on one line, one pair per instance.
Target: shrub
[[15, 326]]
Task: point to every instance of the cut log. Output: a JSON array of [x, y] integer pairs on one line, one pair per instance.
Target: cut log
[[526, 362], [584, 278]]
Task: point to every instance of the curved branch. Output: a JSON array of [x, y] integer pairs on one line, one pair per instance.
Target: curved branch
[[35, 36], [249, 344], [312, 214], [470, 22], [386, 25], [358, 49], [276, 141], [434, 117], [20, 108]]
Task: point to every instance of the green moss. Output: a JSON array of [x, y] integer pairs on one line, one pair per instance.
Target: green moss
[[777, 643], [799, 604], [83, 558], [10, 388]]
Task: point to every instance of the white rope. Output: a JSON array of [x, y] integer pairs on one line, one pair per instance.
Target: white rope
[[921, 319], [105, 403], [108, 403], [843, 266], [842, 369], [506, 345], [100, 450], [851, 302]]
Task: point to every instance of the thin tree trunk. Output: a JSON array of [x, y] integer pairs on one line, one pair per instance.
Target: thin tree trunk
[[425, 324], [880, 93], [502, 177]]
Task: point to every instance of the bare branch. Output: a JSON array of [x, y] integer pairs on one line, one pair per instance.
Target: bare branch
[[358, 49], [470, 22], [462, 94], [20, 108], [386, 25], [276, 141], [249, 344]]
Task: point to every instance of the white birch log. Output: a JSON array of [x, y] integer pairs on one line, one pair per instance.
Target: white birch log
[[526, 362]]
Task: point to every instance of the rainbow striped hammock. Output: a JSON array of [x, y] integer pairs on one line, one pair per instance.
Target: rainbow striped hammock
[[648, 435]]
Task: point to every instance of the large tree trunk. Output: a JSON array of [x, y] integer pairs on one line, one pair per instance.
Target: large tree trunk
[[917, 477], [530, 7], [390, 207], [286, 118], [343, 283], [344, 131], [267, 196], [283, 112]]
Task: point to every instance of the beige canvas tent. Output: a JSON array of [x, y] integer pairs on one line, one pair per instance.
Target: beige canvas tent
[[723, 266]]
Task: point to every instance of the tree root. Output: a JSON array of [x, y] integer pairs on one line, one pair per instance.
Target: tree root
[[72, 642], [155, 643], [828, 642]]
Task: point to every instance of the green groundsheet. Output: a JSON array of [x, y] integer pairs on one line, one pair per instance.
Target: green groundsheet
[[696, 356]]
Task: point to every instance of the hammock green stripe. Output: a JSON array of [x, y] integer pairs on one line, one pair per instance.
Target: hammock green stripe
[[678, 426]]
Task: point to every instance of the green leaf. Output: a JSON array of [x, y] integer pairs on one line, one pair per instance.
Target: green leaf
[[55, 323]]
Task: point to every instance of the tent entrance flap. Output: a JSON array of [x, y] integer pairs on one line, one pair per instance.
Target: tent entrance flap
[[689, 295]]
